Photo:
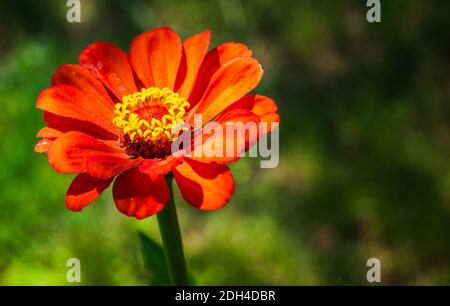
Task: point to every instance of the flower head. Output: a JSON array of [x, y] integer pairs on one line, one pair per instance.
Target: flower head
[[115, 117]]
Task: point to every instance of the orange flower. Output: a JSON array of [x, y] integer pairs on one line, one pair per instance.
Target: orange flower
[[113, 115]]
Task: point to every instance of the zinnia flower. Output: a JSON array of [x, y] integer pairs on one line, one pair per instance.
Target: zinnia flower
[[111, 118]]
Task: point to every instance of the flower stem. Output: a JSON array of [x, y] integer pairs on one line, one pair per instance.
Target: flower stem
[[171, 238]]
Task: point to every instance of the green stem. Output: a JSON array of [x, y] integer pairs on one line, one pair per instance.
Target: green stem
[[171, 237]]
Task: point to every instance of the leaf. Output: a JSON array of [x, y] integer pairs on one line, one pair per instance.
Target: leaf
[[154, 261]]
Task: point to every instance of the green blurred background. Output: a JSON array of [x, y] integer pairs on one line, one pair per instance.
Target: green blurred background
[[365, 142]]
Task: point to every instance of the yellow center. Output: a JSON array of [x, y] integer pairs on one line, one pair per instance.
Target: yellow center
[[151, 114]]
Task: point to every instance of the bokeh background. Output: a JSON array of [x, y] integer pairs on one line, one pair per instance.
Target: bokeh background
[[365, 143]]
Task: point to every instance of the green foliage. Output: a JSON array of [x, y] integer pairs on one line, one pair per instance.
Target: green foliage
[[154, 260]]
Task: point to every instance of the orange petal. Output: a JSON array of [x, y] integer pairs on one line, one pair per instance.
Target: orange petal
[[69, 101], [48, 135], [111, 66], [264, 107], [230, 83], [48, 132], [136, 194], [43, 145], [83, 79], [204, 186], [155, 56], [84, 190], [215, 58], [71, 152], [222, 146], [194, 51]]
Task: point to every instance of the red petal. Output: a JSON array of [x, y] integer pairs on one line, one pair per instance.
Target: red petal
[[84, 190], [84, 80], [70, 152], [136, 194], [230, 83], [104, 166], [216, 58], [204, 186], [69, 101], [226, 147], [155, 56], [194, 51], [64, 124], [155, 167], [111, 66]]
